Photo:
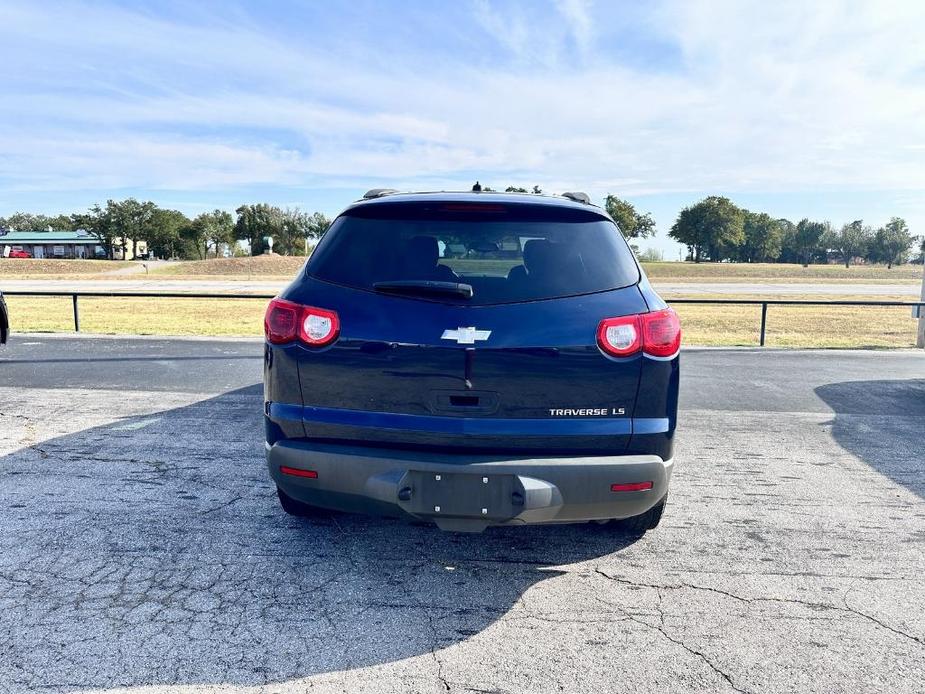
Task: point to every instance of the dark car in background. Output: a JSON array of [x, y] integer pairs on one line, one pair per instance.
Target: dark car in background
[[473, 359], [4, 321]]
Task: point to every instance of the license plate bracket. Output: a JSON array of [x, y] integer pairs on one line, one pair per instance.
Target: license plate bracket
[[460, 495]]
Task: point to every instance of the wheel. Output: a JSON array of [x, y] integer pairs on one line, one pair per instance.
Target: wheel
[[296, 508], [644, 521]]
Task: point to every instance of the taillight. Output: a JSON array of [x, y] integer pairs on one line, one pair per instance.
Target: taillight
[[621, 336], [280, 324], [661, 333], [657, 334], [318, 326], [286, 321]]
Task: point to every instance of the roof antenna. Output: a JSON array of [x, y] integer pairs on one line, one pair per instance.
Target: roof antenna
[[476, 188]]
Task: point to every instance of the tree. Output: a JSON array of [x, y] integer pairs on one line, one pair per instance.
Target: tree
[[255, 222], [317, 225], [788, 252], [712, 228], [296, 228], [650, 255], [851, 241], [133, 221], [293, 232], [164, 239], [633, 224], [209, 229], [762, 238], [892, 243], [517, 189], [25, 221], [97, 222], [60, 222], [194, 234], [219, 229], [807, 239]]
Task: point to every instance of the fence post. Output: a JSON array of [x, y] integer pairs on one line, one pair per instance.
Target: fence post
[[764, 322], [920, 335], [76, 314]]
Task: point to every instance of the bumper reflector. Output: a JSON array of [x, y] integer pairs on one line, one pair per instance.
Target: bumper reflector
[[296, 472], [631, 487]]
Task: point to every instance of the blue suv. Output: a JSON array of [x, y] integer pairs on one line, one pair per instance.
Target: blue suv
[[472, 359]]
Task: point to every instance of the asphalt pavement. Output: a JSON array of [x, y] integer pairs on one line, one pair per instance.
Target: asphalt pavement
[[142, 548]]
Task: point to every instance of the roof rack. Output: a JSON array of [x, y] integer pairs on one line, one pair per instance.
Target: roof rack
[[378, 193], [577, 196]]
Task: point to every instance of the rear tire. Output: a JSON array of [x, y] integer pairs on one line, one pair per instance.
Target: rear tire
[[296, 508], [649, 520]]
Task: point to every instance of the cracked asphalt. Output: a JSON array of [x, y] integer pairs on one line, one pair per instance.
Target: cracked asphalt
[[142, 548]]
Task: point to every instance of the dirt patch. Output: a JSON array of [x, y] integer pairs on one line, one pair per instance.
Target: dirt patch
[[39, 267]]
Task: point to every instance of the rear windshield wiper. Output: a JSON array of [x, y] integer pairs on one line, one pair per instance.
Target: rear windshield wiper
[[425, 288]]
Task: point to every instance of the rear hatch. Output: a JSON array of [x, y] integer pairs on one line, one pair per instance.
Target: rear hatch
[[472, 327]]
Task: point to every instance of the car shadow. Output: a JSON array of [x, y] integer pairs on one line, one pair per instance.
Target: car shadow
[[881, 422], [152, 551]]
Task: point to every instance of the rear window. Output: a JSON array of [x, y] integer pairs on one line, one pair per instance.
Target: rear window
[[506, 253]]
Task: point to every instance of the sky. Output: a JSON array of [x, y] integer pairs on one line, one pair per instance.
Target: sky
[[796, 109]]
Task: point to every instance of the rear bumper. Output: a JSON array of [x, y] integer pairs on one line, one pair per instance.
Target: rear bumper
[[448, 489]]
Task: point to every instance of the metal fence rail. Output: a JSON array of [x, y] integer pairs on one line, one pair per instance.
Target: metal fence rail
[[763, 303], [151, 295]]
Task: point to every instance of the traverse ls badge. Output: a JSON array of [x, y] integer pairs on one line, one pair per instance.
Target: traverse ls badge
[[465, 336]]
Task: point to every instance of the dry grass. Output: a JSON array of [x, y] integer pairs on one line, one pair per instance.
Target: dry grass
[[23, 267], [286, 267], [257, 267], [798, 326], [853, 327], [778, 272], [139, 316]]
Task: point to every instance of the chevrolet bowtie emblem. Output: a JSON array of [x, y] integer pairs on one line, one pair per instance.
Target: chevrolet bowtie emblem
[[465, 336]]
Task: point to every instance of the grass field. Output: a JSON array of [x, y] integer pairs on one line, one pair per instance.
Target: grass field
[[703, 324], [235, 268], [778, 272], [853, 327], [798, 326], [139, 316]]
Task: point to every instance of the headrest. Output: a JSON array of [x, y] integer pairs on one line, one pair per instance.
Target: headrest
[[539, 256], [422, 251]]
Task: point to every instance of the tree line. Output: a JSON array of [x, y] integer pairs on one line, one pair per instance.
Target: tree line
[[171, 234], [715, 229]]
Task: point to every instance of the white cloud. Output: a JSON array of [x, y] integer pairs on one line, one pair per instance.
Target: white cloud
[[578, 16], [760, 97], [509, 30]]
